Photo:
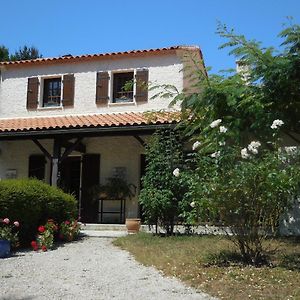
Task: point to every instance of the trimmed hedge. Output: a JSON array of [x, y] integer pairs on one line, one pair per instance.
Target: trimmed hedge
[[32, 202]]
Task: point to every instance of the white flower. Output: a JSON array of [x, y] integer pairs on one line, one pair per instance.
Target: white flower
[[223, 129], [222, 143], [244, 153], [215, 154], [215, 123], [253, 146], [291, 150], [176, 172], [192, 204], [196, 145], [277, 123]]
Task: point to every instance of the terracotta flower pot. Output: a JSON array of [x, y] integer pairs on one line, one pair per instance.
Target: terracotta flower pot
[[133, 225]]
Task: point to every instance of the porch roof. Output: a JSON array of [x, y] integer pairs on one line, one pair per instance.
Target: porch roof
[[92, 123]]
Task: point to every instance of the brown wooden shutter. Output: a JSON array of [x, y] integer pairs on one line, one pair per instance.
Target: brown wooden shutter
[[141, 86], [32, 93], [68, 90], [102, 88]]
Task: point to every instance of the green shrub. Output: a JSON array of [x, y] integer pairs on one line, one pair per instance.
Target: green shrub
[[33, 202]]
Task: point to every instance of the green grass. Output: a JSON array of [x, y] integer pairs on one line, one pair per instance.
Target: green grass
[[211, 264]]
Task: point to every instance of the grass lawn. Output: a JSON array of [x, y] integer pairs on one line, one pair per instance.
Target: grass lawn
[[210, 264]]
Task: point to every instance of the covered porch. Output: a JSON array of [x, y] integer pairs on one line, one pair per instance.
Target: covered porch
[[77, 153]]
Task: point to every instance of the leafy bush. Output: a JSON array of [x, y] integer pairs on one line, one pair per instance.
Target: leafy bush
[[69, 230], [162, 189], [33, 202], [45, 237]]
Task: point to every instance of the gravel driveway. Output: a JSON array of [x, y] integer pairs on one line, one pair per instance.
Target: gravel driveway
[[91, 268]]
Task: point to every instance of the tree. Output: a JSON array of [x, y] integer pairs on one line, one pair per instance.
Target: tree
[[4, 53], [162, 189], [25, 53], [243, 175]]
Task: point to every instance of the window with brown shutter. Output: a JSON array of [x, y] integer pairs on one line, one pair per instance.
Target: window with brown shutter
[[32, 93], [102, 88], [68, 90], [141, 78]]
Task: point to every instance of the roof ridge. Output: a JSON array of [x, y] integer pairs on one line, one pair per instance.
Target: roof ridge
[[95, 55]]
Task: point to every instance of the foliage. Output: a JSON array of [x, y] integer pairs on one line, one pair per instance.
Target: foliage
[[26, 53], [8, 232], [115, 188], [266, 88], [246, 189], [33, 202], [241, 176], [4, 53], [162, 190], [45, 237], [69, 230]]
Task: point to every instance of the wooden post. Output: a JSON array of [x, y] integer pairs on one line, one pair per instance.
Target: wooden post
[[55, 162]]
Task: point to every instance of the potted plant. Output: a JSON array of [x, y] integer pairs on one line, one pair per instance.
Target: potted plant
[[8, 236], [118, 188]]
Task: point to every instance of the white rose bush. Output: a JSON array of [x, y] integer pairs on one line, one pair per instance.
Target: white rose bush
[[243, 186]]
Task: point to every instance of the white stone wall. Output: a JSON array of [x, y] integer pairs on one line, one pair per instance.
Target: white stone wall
[[163, 69], [114, 151]]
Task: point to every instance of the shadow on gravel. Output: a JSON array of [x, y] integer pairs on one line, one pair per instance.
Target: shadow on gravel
[[18, 298]]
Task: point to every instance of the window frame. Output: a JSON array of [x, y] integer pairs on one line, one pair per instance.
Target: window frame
[[42, 89], [111, 87]]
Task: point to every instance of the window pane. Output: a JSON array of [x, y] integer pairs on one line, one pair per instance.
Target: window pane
[[123, 87], [52, 92]]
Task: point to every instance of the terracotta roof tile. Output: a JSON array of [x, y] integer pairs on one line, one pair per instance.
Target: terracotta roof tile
[[75, 58], [87, 121]]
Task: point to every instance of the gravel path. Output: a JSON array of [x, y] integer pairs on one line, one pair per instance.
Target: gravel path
[[91, 268]]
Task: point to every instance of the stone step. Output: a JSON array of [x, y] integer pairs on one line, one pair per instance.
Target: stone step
[[103, 227]]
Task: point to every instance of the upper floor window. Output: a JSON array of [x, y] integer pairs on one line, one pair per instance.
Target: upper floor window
[[52, 92], [123, 87]]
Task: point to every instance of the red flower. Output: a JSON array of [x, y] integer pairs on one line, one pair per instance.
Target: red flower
[[67, 222], [41, 229], [34, 245], [44, 248]]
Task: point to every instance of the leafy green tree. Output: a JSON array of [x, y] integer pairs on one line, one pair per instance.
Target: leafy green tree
[[239, 119], [26, 53], [267, 89], [4, 53], [162, 188]]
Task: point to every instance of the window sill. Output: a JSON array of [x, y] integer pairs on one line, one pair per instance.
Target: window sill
[[50, 107], [122, 103]]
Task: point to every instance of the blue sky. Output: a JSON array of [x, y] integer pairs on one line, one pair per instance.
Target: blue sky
[[59, 27]]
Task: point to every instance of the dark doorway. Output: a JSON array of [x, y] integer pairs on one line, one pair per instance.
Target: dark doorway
[[70, 175], [36, 167], [90, 178]]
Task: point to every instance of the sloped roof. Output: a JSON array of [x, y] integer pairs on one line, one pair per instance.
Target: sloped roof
[[87, 121], [87, 57]]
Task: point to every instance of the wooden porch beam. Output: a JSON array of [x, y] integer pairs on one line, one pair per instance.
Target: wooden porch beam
[[140, 140], [71, 148], [42, 148], [79, 147], [56, 158]]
